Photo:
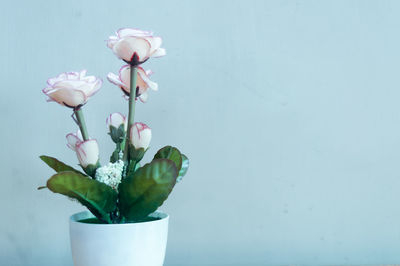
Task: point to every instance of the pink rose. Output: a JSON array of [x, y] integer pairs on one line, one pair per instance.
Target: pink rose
[[116, 120], [135, 46], [86, 151], [143, 83], [72, 89], [140, 136]]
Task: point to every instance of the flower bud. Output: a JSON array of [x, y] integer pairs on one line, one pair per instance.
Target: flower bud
[[140, 136], [116, 120], [88, 152]]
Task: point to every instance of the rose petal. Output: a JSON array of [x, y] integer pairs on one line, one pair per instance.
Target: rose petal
[[115, 120], [115, 79], [125, 76], [112, 40], [143, 97], [152, 85], [155, 43], [72, 140], [87, 152], [68, 97], [127, 47], [125, 32], [159, 52]]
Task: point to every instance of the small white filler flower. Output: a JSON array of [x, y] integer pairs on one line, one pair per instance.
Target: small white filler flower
[[110, 174]]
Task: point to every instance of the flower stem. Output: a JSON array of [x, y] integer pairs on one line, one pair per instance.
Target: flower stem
[[131, 113], [81, 123]]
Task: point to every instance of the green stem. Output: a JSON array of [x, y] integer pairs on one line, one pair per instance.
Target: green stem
[[131, 113], [81, 123]]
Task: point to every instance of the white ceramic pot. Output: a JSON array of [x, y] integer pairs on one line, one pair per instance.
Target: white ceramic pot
[[131, 244]]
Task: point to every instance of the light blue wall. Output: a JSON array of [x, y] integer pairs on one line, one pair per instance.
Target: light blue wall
[[288, 110]]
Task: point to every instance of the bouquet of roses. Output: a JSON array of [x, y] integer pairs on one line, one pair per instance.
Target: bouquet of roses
[[123, 190]]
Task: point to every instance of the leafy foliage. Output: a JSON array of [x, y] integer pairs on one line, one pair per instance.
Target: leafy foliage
[[184, 168], [90, 170], [117, 134], [57, 165], [181, 161], [99, 198], [170, 153], [146, 189], [136, 154], [140, 193]]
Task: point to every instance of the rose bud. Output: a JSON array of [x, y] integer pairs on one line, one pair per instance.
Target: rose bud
[[117, 125], [72, 89], [143, 83], [86, 151], [140, 136], [115, 120], [135, 46]]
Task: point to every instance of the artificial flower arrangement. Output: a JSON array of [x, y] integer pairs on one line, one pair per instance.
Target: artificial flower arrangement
[[123, 190]]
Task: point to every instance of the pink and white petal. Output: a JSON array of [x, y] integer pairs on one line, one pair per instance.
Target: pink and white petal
[[125, 32], [159, 52], [68, 97], [127, 47], [152, 85], [47, 90], [140, 82], [125, 76], [52, 81], [89, 79], [155, 43], [72, 75], [79, 134], [69, 84], [72, 140], [143, 97], [97, 85], [82, 73], [88, 152], [86, 88], [114, 79], [95, 88], [149, 72], [115, 120], [112, 40]]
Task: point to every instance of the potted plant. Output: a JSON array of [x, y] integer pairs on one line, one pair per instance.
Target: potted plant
[[123, 226]]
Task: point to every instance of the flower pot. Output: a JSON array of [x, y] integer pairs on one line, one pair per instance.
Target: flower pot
[[130, 244]]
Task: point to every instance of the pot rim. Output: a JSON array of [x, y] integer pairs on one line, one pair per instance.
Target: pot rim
[[74, 218]]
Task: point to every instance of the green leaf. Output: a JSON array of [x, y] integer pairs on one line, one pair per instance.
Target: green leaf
[[136, 154], [115, 156], [57, 165], [137, 166], [90, 169], [184, 168], [99, 198], [146, 189], [170, 153], [117, 134]]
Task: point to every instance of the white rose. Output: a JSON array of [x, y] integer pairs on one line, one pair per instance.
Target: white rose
[[116, 120], [72, 89], [143, 82], [135, 46], [140, 136], [86, 151]]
